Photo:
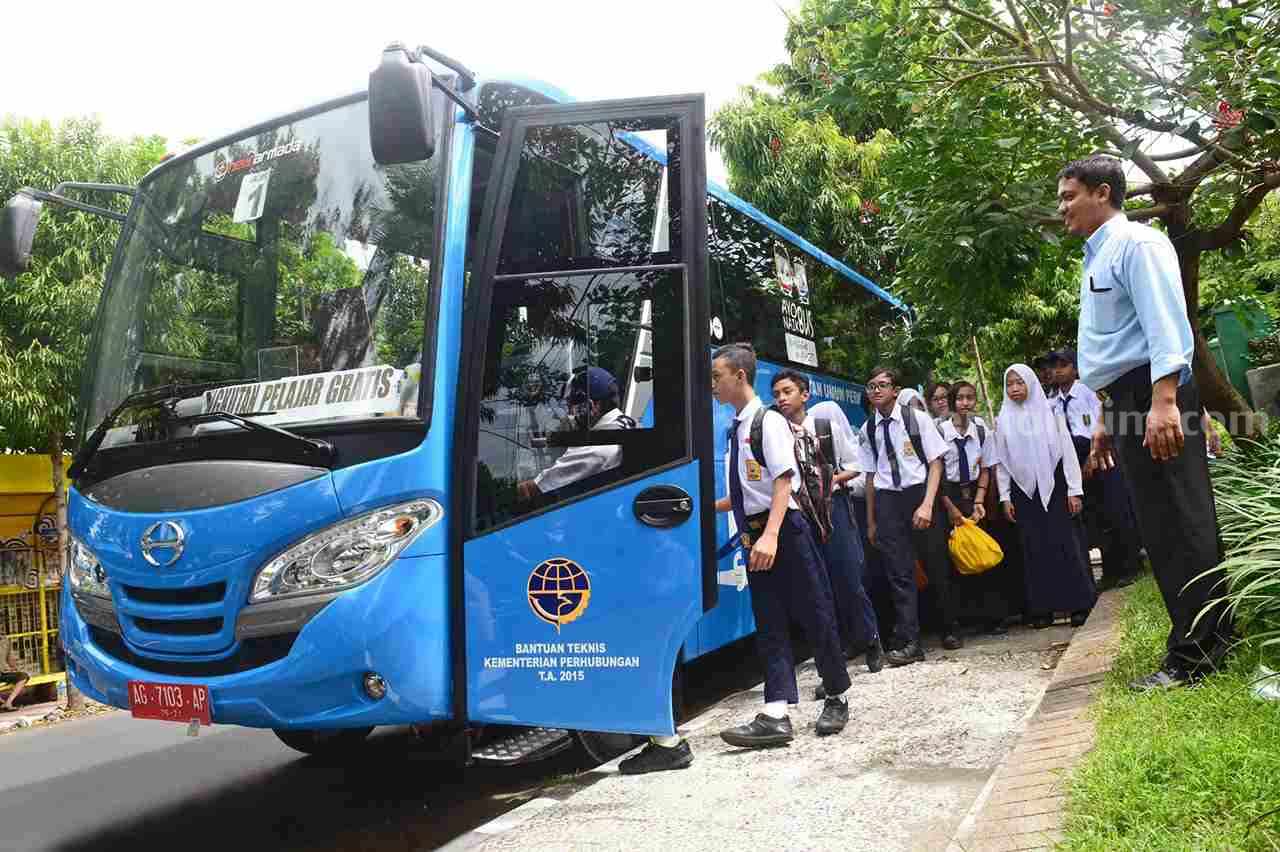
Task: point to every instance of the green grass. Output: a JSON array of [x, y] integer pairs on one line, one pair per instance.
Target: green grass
[[1188, 769]]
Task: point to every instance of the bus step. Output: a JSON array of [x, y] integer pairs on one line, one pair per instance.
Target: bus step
[[524, 746]]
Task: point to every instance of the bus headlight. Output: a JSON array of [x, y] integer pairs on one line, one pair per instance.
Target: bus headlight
[[88, 577], [345, 554]]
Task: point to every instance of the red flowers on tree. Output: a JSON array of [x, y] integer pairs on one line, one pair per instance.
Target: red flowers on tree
[[1227, 117]]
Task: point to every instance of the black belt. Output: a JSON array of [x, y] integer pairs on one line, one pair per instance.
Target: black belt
[[1134, 383], [755, 524], [967, 490]]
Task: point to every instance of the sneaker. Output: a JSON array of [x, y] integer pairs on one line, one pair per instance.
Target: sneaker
[[911, 653], [656, 758], [952, 642], [875, 656], [760, 732], [835, 715], [1168, 676]]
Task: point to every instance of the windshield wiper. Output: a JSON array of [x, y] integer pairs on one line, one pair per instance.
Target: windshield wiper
[[322, 450], [148, 397]]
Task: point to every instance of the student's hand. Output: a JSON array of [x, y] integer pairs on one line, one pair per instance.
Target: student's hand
[[1074, 505], [1164, 431], [1009, 513], [957, 519], [763, 552], [871, 533], [527, 490], [979, 512], [1100, 457], [1211, 435], [923, 518]]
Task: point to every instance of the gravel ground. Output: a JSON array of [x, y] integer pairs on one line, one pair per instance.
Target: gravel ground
[[920, 745]]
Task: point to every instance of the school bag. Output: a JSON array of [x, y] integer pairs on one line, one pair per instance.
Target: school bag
[[913, 432], [816, 470]]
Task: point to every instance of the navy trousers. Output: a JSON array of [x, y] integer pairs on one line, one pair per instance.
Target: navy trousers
[[1108, 517], [846, 561], [901, 544], [796, 588]]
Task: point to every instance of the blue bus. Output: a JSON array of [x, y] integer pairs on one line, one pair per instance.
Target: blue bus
[[331, 351]]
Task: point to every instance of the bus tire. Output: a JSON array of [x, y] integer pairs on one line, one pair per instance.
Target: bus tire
[[323, 742]]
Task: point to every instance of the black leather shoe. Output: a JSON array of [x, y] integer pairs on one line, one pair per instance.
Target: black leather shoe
[[656, 758], [761, 732], [905, 656], [1042, 623], [819, 693], [952, 642], [875, 656], [835, 715], [1079, 618], [1167, 676], [997, 629]]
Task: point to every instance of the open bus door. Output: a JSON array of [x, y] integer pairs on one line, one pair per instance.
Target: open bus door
[[587, 554]]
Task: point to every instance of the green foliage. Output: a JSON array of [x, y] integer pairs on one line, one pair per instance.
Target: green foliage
[[1188, 769], [46, 314]]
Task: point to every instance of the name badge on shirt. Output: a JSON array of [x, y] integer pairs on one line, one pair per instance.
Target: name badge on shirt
[[1088, 419], [754, 471], [908, 449]]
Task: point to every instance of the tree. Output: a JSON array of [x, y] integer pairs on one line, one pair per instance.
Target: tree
[[46, 314], [988, 99]]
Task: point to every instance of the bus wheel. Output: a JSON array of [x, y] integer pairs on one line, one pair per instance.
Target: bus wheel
[[602, 748], [323, 742]]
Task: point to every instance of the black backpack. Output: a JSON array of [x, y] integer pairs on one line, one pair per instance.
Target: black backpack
[[913, 432], [816, 464]]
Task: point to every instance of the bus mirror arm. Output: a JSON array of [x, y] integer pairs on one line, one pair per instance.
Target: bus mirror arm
[[21, 214]]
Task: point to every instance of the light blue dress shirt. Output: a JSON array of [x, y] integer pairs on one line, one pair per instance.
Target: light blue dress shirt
[[1132, 308]]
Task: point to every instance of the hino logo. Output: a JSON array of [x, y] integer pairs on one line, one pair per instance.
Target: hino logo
[[162, 543]]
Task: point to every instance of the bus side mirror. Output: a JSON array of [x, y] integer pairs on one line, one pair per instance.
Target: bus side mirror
[[18, 222], [400, 128]]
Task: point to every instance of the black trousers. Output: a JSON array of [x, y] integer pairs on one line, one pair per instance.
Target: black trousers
[[1176, 516], [846, 562], [796, 587], [901, 544], [1108, 517]]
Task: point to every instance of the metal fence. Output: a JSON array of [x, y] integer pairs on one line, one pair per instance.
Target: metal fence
[[30, 580]]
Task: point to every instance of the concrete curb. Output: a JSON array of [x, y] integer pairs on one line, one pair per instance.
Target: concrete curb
[[1021, 806]]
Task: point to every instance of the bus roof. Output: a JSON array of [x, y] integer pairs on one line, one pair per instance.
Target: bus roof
[[735, 202]]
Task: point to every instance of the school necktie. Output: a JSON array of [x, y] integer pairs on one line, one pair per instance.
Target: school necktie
[[892, 455], [736, 500], [962, 449], [1066, 400]]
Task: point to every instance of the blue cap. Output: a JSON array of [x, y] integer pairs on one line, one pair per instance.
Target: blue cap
[[595, 383], [1065, 356]]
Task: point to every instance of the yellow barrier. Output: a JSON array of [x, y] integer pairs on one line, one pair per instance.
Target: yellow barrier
[[30, 565]]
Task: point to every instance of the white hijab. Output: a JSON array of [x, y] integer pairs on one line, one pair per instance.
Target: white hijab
[[1027, 437]]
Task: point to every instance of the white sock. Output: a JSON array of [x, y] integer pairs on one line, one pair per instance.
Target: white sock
[[775, 709], [843, 696], [666, 742]]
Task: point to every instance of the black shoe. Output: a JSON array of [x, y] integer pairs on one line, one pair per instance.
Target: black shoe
[[760, 732], [1168, 676], [835, 715], [819, 693], [1079, 618], [656, 758], [997, 629], [875, 656], [952, 642], [1127, 580], [1042, 623], [911, 653]]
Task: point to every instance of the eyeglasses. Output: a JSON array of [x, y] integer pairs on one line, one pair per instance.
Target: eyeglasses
[[872, 387]]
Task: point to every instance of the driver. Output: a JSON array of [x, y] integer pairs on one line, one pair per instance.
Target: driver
[[594, 403]]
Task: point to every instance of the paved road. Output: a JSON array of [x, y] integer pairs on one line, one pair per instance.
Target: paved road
[[112, 782]]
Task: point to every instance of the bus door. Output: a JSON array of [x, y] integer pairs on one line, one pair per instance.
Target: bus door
[[584, 436]]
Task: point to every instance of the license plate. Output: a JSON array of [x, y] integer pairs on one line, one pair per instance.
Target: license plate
[[171, 702]]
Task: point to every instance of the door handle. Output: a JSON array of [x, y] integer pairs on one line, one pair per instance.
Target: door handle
[[663, 506]]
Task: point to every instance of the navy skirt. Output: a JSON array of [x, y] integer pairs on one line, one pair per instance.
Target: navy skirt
[[1054, 564]]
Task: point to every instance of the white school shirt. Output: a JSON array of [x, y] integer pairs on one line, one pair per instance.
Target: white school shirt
[[779, 452], [1070, 464], [911, 470], [847, 456], [1083, 411], [979, 454], [578, 463]]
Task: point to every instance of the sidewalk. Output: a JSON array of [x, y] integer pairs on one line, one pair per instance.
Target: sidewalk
[[1021, 807], [921, 746]]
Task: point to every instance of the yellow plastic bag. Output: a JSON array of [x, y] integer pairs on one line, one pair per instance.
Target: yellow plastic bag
[[972, 550]]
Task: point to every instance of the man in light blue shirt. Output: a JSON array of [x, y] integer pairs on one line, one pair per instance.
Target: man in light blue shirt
[[1135, 347]]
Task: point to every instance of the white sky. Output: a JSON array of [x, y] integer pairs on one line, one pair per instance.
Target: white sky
[[184, 70]]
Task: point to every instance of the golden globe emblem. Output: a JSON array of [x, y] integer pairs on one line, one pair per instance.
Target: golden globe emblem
[[559, 591]]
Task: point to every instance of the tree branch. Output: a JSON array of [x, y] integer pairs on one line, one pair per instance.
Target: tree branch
[[1011, 67], [1139, 189], [994, 26], [1018, 57], [1141, 160], [1144, 213], [1229, 231], [1178, 155]]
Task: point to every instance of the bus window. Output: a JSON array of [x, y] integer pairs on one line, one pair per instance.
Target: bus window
[[587, 200]]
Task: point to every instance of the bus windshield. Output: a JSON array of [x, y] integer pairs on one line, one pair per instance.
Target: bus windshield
[[285, 265]]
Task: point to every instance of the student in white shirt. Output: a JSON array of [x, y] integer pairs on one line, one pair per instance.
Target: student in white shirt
[[785, 571], [842, 551], [905, 468], [1040, 490]]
